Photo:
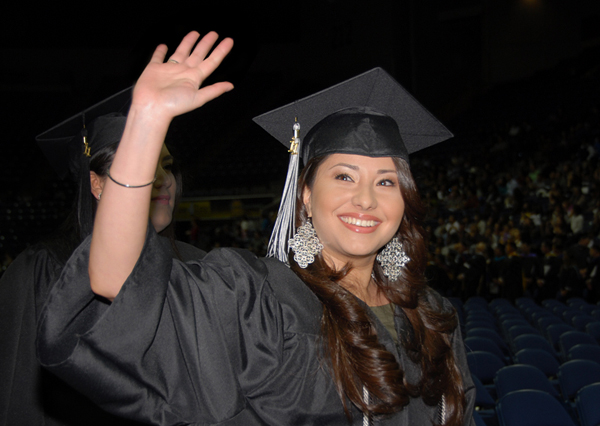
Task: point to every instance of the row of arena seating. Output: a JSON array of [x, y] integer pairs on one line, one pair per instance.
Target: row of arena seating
[[533, 364]]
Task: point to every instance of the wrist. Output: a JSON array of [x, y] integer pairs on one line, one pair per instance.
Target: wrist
[[151, 116], [140, 146]]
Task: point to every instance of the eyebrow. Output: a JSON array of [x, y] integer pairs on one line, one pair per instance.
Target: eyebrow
[[353, 167], [167, 158]]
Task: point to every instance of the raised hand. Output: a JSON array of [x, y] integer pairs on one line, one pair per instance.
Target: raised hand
[[167, 89]]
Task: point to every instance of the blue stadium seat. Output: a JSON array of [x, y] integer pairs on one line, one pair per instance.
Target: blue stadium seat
[[476, 301], [518, 330], [570, 313], [526, 341], [593, 329], [479, 324], [499, 303], [541, 359], [483, 399], [492, 335], [540, 313], [544, 322], [554, 331], [478, 419], [485, 404], [585, 351], [476, 343], [576, 301], [549, 303], [571, 338], [532, 408], [481, 316], [523, 302], [512, 322], [581, 321], [505, 316], [574, 375], [520, 376], [484, 365], [587, 402]]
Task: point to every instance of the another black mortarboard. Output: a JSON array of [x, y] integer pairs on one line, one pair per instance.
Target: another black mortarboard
[[102, 124], [69, 145], [370, 114]]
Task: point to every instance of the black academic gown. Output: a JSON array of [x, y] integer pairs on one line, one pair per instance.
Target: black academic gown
[[28, 394], [228, 340]]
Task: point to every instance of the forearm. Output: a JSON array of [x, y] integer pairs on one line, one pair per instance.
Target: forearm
[[122, 215]]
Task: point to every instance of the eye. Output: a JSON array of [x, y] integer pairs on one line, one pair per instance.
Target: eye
[[344, 177], [386, 182], [168, 167]]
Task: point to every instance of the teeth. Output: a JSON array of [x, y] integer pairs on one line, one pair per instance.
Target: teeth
[[358, 222]]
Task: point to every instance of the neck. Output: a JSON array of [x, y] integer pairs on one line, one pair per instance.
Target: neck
[[359, 280]]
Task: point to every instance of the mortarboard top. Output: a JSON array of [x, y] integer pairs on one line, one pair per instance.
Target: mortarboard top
[[105, 121], [354, 117]]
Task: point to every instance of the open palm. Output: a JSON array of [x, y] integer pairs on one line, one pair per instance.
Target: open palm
[[172, 88]]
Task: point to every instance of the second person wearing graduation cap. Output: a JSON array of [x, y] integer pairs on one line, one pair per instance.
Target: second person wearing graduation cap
[[28, 395], [349, 334]]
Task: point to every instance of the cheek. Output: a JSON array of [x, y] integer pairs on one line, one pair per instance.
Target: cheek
[[396, 211], [322, 204]]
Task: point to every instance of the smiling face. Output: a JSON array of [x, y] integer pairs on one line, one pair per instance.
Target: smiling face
[[356, 206], [164, 188]]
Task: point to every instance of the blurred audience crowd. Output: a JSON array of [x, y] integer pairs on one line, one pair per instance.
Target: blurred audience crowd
[[514, 221]]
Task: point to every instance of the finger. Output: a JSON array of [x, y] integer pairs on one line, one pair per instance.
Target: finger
[[211, 92], [185, 47], [159, 54], [216, 57], [202, 48]]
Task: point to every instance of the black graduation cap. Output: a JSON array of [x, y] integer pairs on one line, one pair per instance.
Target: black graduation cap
[[370, 114], [102, 124], [69, 145]]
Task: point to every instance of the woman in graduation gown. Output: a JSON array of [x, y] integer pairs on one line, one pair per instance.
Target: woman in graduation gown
[[233, 339], [29, 395]]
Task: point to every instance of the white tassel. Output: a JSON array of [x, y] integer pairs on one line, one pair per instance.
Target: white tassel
[[442, 408], [284, 227], [366, 399]]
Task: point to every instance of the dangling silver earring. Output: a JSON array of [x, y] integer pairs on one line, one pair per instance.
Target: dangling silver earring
[[99, 195], [305, 245], [393, 258]]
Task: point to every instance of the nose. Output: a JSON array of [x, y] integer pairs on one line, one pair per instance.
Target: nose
[[163, 177], [364, 197]]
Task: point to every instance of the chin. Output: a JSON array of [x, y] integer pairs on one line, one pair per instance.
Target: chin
[[160, 223], [349, 254], [360, 249]]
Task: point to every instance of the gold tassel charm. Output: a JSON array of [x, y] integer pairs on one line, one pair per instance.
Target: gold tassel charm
[[295, 142]]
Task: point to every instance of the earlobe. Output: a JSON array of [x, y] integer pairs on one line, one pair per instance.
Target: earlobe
[[306, 200], [97, 185]]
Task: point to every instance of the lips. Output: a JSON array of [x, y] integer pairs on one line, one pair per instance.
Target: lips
[[359, 222], [363, 224], [162, 199]]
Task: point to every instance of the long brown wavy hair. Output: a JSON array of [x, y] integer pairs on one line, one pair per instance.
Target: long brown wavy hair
[[351, 348]]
